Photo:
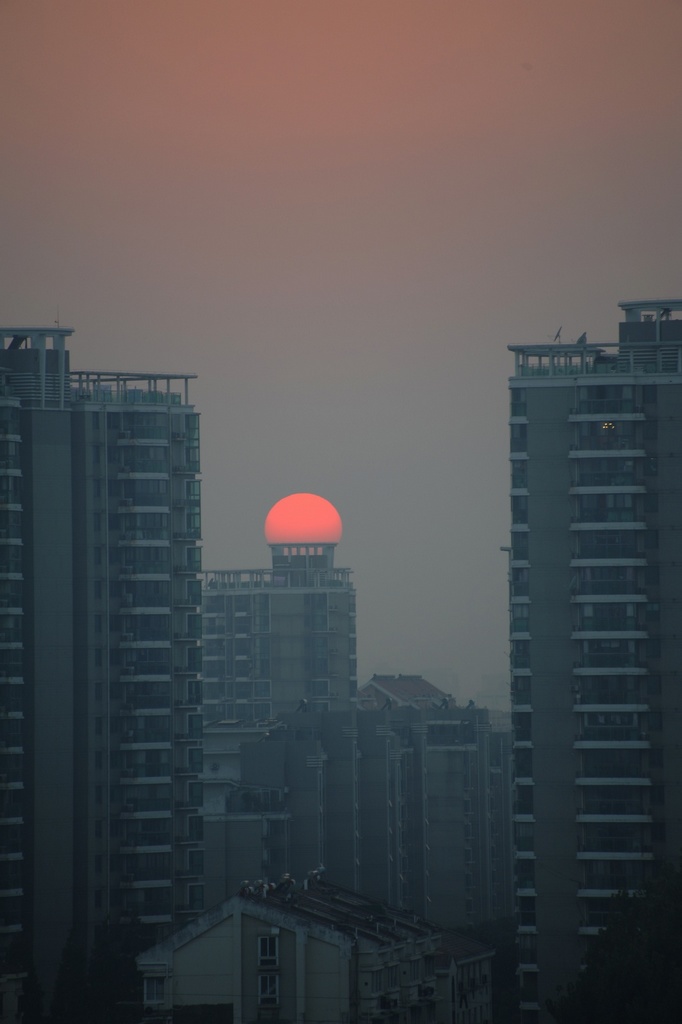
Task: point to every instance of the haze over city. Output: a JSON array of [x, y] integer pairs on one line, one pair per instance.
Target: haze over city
[[338, 215]]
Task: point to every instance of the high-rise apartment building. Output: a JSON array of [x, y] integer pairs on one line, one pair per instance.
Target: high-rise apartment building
[[100, 609], [282, 638], [409, 804], [596, 646]]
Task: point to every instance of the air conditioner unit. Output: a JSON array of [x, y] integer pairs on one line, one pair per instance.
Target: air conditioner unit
[[126, 637], [127, 569]]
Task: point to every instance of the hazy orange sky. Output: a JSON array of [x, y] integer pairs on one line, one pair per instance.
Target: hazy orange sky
[[339, 213]]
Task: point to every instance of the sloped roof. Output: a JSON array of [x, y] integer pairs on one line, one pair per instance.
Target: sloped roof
[[461, 948], [404, 689], [318, 904]]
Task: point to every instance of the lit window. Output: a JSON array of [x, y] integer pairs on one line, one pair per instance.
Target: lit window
[[268, 989]]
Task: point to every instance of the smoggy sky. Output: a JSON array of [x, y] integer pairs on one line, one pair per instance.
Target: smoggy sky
[[338, 213]]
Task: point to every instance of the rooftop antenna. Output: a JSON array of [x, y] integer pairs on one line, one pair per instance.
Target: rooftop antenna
[[57, 320], [557, 336]]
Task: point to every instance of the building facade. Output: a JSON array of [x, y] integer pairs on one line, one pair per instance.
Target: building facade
[[595, 586], [100, 652], [317, 953], [408, 804]]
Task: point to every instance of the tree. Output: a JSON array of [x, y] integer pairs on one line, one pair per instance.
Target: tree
[[19, 960], [114, 983], [68, 1004], [501, 934], [631, 973]]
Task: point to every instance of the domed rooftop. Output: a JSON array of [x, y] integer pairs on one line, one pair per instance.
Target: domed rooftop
[[303, 519]]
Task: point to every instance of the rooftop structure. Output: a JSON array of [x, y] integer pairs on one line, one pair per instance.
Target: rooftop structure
[[397, 691]]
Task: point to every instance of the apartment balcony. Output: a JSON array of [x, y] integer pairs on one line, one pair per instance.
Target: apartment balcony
[[615, 662], [144, 502], [589, 479], [153, 570], [144, 805], [612, 777], [143, 470], [138, 740], [623, 736], [606, 707], [624, 408], [138, 881], [155, 775], [143, 536], [626, 852], [604, 590], [621, 631], [155, 436], [149, 914], [598, 517], [183, 569]]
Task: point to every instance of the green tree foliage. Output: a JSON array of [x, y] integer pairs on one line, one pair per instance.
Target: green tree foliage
[[501, 934], [68, 1004], [632, 969], [114, 983], [18, 959]]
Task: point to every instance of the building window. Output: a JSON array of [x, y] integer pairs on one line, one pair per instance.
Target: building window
[[195, 895], [268, 950], [519, 506], [519, 437], [153, 990], [519, 542], [268, 989]]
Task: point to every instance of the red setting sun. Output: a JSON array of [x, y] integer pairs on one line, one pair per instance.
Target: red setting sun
[[303, 518]]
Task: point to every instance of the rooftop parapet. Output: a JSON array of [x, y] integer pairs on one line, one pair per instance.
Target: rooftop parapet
[[275, 579], [36, 362], [649, 342]]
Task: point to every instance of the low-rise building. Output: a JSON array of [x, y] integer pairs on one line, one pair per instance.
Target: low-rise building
[[317, 953]]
